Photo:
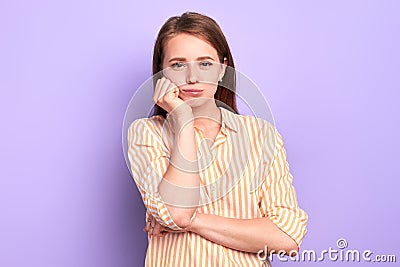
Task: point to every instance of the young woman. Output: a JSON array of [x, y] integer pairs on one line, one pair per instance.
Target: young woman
[[168, 151]]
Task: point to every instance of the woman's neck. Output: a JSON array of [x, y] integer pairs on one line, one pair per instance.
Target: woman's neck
[[207, 116]]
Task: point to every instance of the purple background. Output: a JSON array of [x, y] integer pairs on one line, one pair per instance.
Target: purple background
[[329, 69]]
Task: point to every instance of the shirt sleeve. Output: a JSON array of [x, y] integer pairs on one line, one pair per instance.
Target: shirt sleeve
[[149, 159], [278, 197]]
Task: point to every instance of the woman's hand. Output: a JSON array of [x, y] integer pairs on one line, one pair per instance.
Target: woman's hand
[[166, 95], [154, 228]]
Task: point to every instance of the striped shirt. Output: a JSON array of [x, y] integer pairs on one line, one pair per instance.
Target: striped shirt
[[244, 174]]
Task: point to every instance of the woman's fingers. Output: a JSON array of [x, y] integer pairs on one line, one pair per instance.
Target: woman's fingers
[[158, 228], [166, 94], [158, 88], [154, 228], [164, 89], [148, 224], [172, 88], [152, 225]]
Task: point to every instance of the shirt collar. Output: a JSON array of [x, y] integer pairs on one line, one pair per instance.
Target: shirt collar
[[229, 119]]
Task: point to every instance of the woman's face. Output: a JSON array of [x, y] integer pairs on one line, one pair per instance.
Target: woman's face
[[193, 65]]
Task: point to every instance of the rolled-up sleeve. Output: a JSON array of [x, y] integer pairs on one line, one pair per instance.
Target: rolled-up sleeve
[[278, 197], [149, 160]]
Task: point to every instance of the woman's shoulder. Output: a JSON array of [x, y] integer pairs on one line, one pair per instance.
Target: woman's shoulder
[[255, 122], [151, 124], [259, 129]]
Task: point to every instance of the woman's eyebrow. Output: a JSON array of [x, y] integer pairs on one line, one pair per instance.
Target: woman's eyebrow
[[184, 59], [204, 57], [177, 59]]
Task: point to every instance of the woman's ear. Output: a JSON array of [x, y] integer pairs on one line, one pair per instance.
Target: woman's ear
[[223, 68]]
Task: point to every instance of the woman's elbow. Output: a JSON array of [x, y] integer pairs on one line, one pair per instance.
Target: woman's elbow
[[285, 245], [289, 247], [292, 249], [182, 218]]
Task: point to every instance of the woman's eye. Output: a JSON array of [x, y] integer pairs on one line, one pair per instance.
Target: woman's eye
[[178, 65], [205, 64]]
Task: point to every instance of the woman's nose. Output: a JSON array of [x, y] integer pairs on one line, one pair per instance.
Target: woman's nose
[[191, 76]]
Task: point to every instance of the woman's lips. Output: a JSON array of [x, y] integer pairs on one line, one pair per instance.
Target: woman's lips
[[192, 92]]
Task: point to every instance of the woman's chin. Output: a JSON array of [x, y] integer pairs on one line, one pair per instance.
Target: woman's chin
[[197, 101]]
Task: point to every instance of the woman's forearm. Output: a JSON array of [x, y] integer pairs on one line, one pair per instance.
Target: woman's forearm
[[179, 187], [250, 235]]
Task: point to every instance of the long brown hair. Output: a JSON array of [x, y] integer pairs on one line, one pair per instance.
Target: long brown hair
[[208, 30]]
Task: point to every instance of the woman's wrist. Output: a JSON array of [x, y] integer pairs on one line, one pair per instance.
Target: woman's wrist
[[181, 114], [195, 222]]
